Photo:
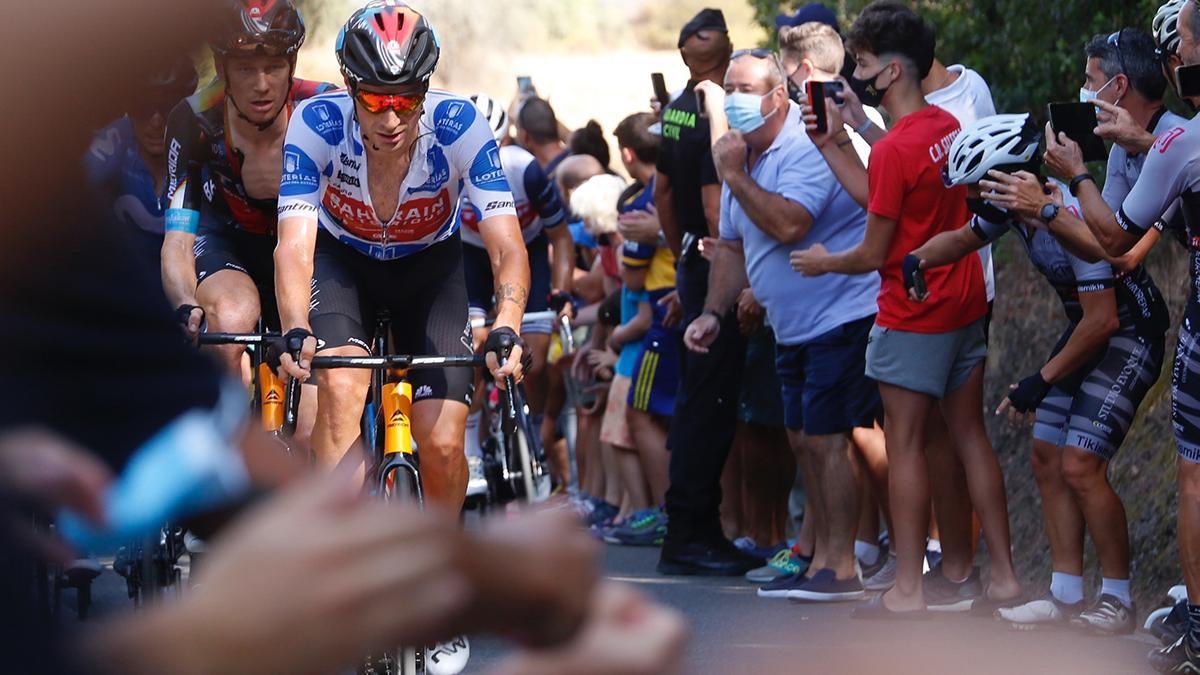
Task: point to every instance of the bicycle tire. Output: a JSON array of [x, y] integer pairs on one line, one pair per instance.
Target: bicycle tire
[[534, 480]]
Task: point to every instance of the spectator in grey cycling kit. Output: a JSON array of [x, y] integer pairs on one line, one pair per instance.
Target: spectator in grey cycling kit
[[1171, 173], [1087, 394], [381, 231]]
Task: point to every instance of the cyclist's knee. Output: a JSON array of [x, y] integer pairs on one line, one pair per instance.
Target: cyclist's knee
[[1046, 457], [341, 389], [1082, 470], [232, 313]]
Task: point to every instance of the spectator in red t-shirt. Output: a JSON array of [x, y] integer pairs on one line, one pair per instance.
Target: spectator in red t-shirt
[[922, 355]]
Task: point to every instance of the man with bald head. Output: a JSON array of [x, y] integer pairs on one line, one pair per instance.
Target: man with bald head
[[574, 171], [779, 196]]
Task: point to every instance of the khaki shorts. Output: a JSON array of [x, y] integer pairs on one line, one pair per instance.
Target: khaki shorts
[[614, 430]]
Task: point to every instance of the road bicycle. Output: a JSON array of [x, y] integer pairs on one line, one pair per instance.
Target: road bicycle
[[393, 471]]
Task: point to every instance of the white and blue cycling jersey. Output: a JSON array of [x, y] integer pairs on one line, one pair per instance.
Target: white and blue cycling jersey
[[325, 175], [534, 196], [116, 172]]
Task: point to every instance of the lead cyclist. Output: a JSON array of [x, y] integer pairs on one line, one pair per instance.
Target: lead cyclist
[[368, 220]]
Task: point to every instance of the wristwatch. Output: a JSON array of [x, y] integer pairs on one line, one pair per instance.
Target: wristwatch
[[715, 314], [1048, 213], [1079, 180]]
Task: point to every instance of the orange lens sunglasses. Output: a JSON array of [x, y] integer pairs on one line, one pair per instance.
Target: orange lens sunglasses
[[403, 104]]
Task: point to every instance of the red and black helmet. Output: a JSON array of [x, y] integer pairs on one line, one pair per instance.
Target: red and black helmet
[[269, 27], [387, 43]]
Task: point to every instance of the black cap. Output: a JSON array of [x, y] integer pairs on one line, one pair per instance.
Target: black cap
[[813, 11], [707, 19]]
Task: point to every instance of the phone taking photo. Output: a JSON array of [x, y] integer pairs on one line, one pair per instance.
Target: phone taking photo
[[660, 89], [1188, 78], [1078, 122], [816, 100], [525, 85]]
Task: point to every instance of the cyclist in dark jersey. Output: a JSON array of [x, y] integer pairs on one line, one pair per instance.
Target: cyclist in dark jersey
[[224, 157], [126, 165], [1088, 392]]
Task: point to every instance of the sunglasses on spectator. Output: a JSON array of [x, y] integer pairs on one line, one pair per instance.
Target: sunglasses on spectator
[[403, 104], [1114, 41]]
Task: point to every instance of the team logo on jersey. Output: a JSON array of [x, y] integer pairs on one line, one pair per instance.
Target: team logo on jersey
[[415, 220], [325, 118], [486, 171], [300, 175], [1167, 139], [453, 118], [439, 171]]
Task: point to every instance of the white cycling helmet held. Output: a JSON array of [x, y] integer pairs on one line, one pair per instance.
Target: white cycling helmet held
[[1166, 27], [1005, 142], [495, 113]]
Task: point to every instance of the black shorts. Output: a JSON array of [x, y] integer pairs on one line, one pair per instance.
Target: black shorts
[[481, 286], [425, 295], [219, 249]]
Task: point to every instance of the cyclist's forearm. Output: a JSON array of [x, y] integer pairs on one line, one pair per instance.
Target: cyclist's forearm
[[179, 269], [293, 288], [512, 287]]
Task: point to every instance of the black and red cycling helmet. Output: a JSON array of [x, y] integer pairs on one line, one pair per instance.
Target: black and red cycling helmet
[[269, 27], [387, 43]]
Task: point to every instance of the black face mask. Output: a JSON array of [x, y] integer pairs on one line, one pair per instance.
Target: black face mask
[[989, 212], [870, 94]]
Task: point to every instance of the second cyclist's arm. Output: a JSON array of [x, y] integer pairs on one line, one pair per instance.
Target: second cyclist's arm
[[1091, 334], [294, 270], [181, 221], [562, 263]]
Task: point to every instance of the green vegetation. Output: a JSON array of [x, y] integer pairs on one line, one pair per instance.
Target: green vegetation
[[1029, 53]]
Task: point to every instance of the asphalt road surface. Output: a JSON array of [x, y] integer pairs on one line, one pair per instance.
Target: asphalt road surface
[[733, 631]]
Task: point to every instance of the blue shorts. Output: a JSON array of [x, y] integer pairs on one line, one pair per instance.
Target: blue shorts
[[656, 374], [481, 287], [825, 387]]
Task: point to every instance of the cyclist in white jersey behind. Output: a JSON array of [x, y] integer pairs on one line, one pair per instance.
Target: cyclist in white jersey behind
[[543, 229], [368, 212]]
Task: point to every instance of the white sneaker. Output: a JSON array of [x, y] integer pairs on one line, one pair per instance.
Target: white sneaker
[[448, 658], [885, 578], [194, 544], [476, 481], [84, 567], [1046, 610]]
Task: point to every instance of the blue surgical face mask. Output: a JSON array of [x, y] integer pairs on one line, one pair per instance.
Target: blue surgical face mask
[[1087, 95], [744, 111]]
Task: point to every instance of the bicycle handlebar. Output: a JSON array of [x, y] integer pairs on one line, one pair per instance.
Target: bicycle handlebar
[[399, 361], [237, 338]]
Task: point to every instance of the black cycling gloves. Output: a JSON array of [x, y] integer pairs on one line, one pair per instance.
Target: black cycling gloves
[[501, 342], [291, 343], [1029, 393], [183, 313], [558, 300]]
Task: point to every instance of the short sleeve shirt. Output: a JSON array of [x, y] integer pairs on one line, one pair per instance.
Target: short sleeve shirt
[[685, 157], [801, 308], [905, 184]]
